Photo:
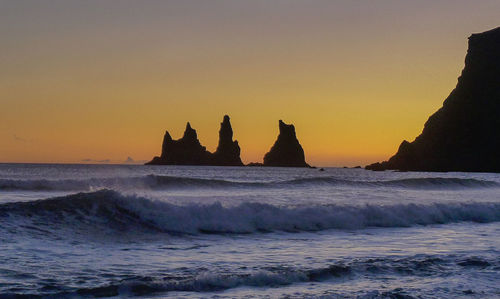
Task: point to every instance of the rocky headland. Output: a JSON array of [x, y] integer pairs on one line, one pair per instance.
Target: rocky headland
[[464, 134]]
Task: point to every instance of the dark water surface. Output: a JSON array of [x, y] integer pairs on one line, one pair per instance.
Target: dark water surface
[[145, 231]]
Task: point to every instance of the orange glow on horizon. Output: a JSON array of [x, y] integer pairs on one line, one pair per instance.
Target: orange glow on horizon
[[354, 79]]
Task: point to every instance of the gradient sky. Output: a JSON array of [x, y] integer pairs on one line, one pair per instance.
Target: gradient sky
[[104, 79]]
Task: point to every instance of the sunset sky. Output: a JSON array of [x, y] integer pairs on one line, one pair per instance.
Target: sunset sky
[[103, 80]]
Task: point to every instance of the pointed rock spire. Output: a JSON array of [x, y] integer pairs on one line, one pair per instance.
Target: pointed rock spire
[[167, 141], [190, 133], [228, 151]]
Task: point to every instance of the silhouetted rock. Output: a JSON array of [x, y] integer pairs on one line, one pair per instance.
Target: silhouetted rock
[[287, 150], [228, 151], [185, 151], [463, 135], [189, 151]]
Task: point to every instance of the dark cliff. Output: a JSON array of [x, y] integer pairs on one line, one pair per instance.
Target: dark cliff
[[463, 135], [286, 151], [189, 151]]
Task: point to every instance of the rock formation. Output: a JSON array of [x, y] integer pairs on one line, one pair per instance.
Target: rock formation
[[287, 150], [185, 151], [189, 151], [463, 135], [228, 151]]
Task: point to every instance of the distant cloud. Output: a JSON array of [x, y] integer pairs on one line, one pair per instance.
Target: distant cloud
[[131, 160], [21, 139]]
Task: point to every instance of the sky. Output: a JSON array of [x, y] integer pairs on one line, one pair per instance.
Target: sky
[[101, 81]]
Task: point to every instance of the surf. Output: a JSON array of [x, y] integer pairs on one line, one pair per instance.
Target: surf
[[108, 209], [160, 182]]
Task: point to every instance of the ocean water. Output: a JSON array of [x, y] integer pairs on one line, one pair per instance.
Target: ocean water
[[70, 231]]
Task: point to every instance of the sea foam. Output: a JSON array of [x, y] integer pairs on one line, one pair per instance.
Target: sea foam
[[106, 207]]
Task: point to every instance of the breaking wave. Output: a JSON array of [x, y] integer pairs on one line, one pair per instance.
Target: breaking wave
[[143, 182], [112, 210], [152, 182]]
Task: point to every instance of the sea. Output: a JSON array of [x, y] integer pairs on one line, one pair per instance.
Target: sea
[[134, 231]]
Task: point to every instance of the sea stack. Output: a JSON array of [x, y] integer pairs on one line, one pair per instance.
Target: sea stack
[[189, 151], [185, 151], [228, 151], [463, 135], [286, 151]]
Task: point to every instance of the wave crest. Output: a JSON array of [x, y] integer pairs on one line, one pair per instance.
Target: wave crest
[[152, 182], [112, 209]]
